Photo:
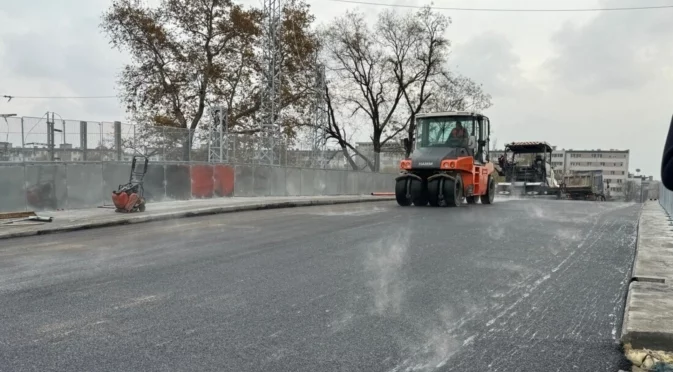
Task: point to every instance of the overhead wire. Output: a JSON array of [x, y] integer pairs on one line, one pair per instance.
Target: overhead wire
[[653, 7], [11, 97]]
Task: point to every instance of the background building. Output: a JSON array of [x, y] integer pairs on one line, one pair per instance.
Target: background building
[[613, 163]]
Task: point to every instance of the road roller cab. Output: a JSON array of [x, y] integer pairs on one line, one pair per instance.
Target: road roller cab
[[450, 161]]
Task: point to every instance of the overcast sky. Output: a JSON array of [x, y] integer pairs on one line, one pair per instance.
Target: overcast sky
[[577, 80]]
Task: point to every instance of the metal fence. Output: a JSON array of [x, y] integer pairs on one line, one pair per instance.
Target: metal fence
[[27, 139], [72, 185], [666, 199]]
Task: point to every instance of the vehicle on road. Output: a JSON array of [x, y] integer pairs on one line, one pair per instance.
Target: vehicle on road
[[527, 170], [449, 163], [582, 185]]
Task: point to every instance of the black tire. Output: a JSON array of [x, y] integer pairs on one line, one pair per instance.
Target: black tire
[[453, 192], [471, 199], [419, 193], [433, 192], [401, 193], [490, 192]]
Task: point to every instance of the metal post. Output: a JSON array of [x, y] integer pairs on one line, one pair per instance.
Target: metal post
[[163, 144], [82, 139], [118, 139], [217, 136], [50, 137], [189, 144], [268, 151], [100, 142], [221, 134], [23, 141], [233, 149]]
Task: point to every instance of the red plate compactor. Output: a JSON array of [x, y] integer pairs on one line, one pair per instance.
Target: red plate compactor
[[131, 196]]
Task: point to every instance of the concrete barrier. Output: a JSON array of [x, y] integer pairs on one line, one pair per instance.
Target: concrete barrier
[[648, 314], [83, 185], [293, 181], [74, 185], [243, 181], [12, 188]]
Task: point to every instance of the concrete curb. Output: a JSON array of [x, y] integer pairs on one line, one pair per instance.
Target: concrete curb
[[627, 298], [643, 345], [204, 211]]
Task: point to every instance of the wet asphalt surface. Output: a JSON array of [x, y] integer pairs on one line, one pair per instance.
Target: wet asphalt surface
[[515, 286]]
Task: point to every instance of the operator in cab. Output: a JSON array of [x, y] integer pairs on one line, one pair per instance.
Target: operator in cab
[[458, 132]]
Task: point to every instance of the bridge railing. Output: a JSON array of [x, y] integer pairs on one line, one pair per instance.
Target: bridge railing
[[666, 199]]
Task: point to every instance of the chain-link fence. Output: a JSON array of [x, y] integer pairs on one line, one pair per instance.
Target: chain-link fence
[[27, 139], [79, 163]]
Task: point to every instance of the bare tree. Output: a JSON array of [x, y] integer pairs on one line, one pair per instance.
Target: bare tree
[[338, 132], [364, 72], [395, 71], [419, 51]]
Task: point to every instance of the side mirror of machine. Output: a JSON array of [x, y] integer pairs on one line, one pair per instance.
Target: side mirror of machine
[[472, 142]]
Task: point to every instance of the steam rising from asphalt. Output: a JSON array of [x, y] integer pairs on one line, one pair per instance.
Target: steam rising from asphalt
[[439, 345], [433, 343], [384, 261]]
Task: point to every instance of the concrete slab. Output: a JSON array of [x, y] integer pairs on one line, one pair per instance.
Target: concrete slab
[[293, 181], [648, 315], [648, 322], [12, 188]]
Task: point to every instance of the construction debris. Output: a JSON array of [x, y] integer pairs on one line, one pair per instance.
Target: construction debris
[[649, 360], [39, 219], [15, 215]]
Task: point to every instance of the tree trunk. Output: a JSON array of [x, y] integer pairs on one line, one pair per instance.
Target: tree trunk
[[187, 145], [377, 152], [348, 157], [410, 136]]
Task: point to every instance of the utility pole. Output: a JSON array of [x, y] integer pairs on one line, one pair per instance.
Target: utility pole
[[270, 127], [51, 134], [218, 149], [319, 120]]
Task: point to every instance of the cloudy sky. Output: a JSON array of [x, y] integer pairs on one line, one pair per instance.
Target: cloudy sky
[[577, 80]]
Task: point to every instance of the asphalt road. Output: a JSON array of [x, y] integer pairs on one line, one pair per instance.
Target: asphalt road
[[515, 286]]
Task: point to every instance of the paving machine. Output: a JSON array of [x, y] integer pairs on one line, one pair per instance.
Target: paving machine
[[130, 197], [449, 163], [527, 170]]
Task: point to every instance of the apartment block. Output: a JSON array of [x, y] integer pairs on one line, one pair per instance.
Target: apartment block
[[613, 163]]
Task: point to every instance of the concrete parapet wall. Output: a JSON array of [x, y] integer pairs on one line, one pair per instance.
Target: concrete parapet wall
[[71, 185]]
